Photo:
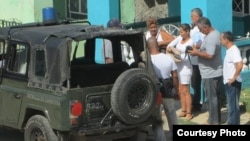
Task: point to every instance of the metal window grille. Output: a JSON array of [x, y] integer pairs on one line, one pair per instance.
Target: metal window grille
[[77, 9], [241, 6]]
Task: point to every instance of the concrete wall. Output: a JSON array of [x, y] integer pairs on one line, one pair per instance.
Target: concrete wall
[[147, 8], [139, 10], [38, 6], [25, 11], [127, 11]]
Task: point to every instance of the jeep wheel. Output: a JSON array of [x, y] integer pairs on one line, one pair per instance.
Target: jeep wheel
[[133, 96], [38, 129]]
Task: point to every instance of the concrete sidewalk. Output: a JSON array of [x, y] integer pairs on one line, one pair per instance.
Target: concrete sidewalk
[[202, 116]]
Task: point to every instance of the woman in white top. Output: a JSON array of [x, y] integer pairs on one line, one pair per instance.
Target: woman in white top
[[163, 38], [184, 69]]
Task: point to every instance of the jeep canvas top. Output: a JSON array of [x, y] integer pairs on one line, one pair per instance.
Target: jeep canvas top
[[54, 84]]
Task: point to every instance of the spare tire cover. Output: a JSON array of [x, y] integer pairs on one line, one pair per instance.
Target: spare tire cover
[[133, 96]]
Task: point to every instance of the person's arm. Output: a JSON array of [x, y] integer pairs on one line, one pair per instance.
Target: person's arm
[[166, 37], [175, 81], [239, 66], [196, 52], [173, 43], [108, 52]]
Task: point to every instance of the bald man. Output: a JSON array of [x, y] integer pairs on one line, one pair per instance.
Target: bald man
[[165, 69]]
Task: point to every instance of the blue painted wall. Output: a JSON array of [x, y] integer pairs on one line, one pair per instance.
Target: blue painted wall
[[218, 11], [101, 11]]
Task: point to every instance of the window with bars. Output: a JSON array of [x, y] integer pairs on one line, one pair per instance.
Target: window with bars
[[77, 9], [241, 6]]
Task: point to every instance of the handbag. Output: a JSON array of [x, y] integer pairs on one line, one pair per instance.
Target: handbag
[[175, 54], [166, 87], [166, 36]]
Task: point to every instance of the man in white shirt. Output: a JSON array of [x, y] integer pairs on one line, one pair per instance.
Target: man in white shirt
[[165, 68], [127, 52], [197, 37], [231, 77]]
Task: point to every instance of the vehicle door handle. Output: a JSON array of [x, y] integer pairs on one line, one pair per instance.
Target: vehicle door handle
[[17, 96]]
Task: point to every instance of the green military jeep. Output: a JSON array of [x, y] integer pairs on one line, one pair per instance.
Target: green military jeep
[[55, 86]]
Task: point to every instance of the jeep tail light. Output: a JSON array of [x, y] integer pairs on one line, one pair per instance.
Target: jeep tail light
[[76, 108], [76, 111], [159, 99]]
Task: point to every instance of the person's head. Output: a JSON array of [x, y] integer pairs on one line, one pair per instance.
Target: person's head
[[196, 14], [204, 25], [152, 26], [184, 30], [152, 44], [114, 23], [226, 38]]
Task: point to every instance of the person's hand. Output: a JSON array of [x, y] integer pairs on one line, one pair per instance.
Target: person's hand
[[198, 44], [194, 51], [176, 94], [169, 49], [109, 60], [176, 97], [230, 81]]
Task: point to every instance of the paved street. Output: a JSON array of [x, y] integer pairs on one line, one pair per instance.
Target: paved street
[[7, 134]]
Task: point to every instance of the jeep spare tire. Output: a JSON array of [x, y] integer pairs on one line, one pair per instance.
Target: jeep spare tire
[[133, 96]]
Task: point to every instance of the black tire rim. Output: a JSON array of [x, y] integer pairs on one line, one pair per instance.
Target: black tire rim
[[37, 135], [138, 97]]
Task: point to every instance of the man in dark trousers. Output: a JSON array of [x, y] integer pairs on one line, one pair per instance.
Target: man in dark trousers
[[210, 65], [165, 69]]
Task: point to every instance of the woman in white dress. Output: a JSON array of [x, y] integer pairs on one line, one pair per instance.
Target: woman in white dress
[[184, 69]]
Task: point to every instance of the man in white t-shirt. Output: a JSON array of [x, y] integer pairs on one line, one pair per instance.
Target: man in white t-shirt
[[231, 77], [165, 68]]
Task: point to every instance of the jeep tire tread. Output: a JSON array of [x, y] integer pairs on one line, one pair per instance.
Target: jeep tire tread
[[133, 96], [38, 129]]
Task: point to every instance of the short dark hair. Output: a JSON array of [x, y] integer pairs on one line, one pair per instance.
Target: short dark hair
[[228, 35], [203, 21], [151, 20], [114, 23], [186, 27]]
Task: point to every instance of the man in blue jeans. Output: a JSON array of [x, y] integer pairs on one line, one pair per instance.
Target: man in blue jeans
[[231, 77], [210, 65]]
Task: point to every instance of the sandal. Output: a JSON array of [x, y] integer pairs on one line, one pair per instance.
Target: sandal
[[182, 114], [189, 116]]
